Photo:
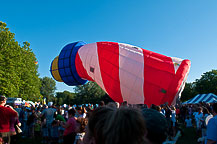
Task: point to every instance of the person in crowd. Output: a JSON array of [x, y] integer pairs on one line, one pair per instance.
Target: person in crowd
[[24, 118], [177, 111], [158, 108], [60, 118], [14, 123], [124, 104], [117, 104], [55, 132], [101, 103], [80, 129], [37, 128], [112, 104], [198, 119], [168, 113], [173, 119], [6, 114], [48, 115], [70, 127], [80, 112], [188, 122], [212, 127], [31, 123], [107, 125], [157, 126], [18, 109], [183, 113]]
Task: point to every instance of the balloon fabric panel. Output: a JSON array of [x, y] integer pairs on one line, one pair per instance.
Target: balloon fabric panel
[[54, 69], [89, 58], [80, 68], [111, 83], [131, 73]]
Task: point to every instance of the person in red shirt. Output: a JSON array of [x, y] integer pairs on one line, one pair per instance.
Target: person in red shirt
[[6, 113]]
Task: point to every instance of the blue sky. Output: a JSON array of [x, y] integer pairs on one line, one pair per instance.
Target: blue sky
[[185, 29]]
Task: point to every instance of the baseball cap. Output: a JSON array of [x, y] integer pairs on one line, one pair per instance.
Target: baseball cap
[[2, 98]]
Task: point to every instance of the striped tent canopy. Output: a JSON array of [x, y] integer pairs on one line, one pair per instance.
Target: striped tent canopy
[[208, 98]]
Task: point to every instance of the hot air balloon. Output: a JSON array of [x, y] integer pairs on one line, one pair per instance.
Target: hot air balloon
[[124, 72]]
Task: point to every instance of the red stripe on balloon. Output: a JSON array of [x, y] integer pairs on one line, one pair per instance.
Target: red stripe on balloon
[[177, 80], [80, 69], [108, 54], [158, 74]]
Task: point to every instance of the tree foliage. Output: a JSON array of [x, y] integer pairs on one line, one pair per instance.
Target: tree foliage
[[207, 83], [48, 87], [65, 97], [88, 93], [18, 71]]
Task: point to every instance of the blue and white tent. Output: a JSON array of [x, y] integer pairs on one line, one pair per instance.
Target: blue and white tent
[[208, 98]]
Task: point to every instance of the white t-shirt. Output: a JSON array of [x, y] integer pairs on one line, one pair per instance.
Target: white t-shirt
[[173, 118]]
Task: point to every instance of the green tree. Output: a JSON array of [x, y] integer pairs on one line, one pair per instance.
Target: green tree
[[88, 93], [207, 83], [18, 72], [48, 87], [188, 92], [65, 97]]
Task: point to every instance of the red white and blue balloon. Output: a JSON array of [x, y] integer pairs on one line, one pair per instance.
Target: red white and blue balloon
[[124, 72]]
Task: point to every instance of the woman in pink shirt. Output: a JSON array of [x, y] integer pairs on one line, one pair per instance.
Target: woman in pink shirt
[[70, 125]]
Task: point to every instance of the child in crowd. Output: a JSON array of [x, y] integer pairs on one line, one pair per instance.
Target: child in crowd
[[60, 118], [55, 132], [37, 128], [188, 122]]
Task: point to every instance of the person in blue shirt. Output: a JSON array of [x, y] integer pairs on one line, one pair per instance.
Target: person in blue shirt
[[212, 127]]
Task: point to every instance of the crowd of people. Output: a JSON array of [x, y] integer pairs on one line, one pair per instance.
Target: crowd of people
[[112, 123]]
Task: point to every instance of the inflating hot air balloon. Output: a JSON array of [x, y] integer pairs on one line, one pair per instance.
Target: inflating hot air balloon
[[124, 72]]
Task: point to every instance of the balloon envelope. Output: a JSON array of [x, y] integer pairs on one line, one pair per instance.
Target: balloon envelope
[[124, 72]]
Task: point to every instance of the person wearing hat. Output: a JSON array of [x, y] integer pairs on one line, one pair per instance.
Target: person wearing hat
[[6, 113]]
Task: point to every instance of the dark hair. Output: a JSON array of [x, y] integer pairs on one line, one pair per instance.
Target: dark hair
[[96, 123], [2, 98], [156, 125], [79, 108], [109, 125], [214, 107], [83, 123], [71, 112], [205, 110], [101, 103]]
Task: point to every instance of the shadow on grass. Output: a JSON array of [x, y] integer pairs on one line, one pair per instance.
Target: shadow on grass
[[189, 136], [27, 140]]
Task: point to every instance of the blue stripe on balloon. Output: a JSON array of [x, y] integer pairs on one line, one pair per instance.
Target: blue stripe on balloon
[[73, 68], [66, 64]]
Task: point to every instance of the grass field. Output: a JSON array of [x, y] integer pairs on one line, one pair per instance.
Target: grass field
[[188, 137]]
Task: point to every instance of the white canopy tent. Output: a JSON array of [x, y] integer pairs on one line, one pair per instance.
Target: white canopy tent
[[208, 98]]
